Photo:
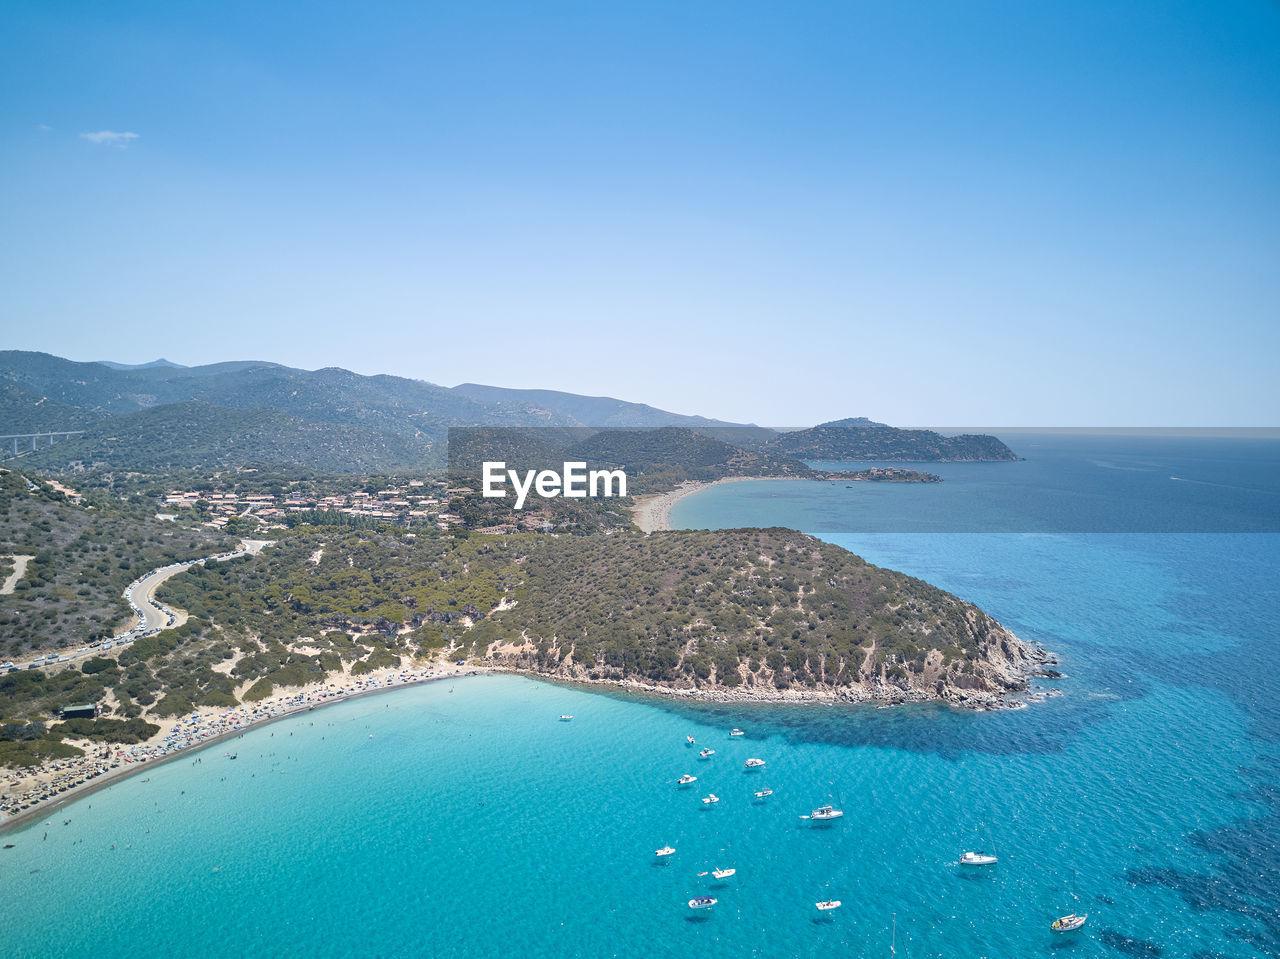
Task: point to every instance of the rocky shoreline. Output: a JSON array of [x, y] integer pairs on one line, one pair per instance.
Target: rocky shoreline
[[1018, 694]]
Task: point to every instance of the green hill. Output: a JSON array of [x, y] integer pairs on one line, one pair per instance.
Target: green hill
[[182, 436], [855, 441]]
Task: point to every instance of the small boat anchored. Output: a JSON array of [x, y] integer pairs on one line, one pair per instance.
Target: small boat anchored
[[686, 780], [706, 754], [828, 904], [977, 859], [824, 814], [1069, 923], [690, 740], [753, 763], [664, 851], [764, 793], [703, 902], [723, 873], [735, 731], [566, 717], [710, 799]]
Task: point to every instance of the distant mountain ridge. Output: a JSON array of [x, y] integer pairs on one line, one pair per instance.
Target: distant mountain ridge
[[141, 366], [158, 415], [584, 410]]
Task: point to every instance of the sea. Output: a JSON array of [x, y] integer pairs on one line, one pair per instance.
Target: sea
[[465, 818]]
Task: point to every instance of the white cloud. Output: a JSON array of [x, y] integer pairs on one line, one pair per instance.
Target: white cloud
[[110, 138], [44, 127]]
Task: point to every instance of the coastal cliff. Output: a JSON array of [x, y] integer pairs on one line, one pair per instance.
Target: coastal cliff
[[756, 615]]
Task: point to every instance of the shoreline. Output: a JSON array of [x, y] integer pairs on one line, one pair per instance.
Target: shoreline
[[970, 701], [270, 710], [652, 511], [315, 696]]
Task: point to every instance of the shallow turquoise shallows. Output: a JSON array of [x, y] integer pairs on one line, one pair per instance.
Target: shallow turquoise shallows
[[465, 819]]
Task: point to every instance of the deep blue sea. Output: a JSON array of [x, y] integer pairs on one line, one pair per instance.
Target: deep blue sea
[[463, 819]]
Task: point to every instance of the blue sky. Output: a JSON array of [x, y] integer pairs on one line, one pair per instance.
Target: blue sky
[[931, 212]]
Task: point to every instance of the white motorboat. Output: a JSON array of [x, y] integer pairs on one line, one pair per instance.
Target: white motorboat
[[736, 732], [706, 754], [977, 859], [664, 851], [690, 740], [686, 780], [828, 904], [703, 902], [1069, 923], [764, 793], [565, 718], [723, 873], [710, 799], [824, 814], [753, 763]]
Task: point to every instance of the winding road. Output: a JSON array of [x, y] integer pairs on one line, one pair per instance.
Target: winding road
[[149, 615]]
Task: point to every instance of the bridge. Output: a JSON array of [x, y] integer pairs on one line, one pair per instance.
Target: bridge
[[36, 436]]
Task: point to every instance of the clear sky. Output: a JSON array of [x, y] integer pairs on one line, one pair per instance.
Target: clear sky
[[1001, 213]]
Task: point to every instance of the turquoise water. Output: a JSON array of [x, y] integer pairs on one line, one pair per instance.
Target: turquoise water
[[463, 819]]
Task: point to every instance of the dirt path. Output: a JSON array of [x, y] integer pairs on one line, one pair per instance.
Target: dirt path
[[19, 570]]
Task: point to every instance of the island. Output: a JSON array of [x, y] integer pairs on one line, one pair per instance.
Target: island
[[860, 440]]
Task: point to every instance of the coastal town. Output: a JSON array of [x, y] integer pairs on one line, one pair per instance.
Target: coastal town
[[415, 503]]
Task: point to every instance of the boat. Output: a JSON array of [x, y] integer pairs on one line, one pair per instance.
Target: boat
[[690, 740], [824, 814], [706, 754], [735, 731], [664, 851], [565, 718], [977, 859], [1069, 923], [710, 799], [754, 763], [723, 873], [703, 902], [828, 904], [764, 793], [686, 780]]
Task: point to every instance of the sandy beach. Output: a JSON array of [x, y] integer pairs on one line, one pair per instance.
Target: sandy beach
[[653, 512], [29, 794]]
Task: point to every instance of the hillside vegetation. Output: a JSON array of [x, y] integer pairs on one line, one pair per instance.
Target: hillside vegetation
[[859, 441]]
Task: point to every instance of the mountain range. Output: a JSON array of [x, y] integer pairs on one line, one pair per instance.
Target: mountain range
[[160, 415]]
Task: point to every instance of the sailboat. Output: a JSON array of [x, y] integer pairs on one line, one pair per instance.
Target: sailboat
[[980, 858], [824, 814], [1070, 922]]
